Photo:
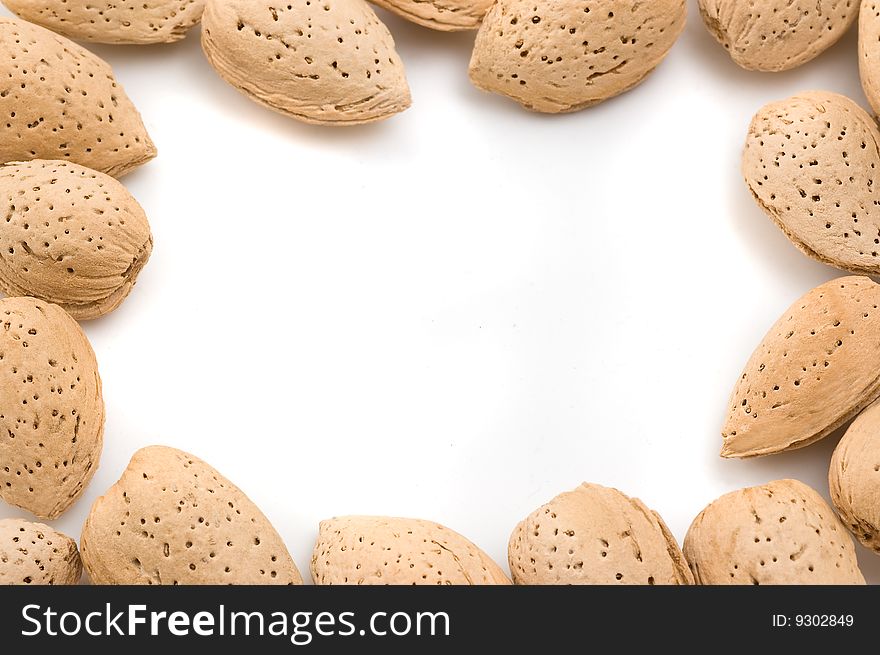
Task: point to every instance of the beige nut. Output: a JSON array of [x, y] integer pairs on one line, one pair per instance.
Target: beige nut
[[778, 533], [593, 536], [812, 163], [327, 63], [59, 101], [869, 51], [72, 236], [854, 478], [51, 408], [777, 35], [120, 21], [567, 55], [35, 554], [378, 550], [816, 368], [442, 15], [172, 519]]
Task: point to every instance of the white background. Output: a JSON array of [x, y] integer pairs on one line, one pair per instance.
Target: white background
[[460, 312]]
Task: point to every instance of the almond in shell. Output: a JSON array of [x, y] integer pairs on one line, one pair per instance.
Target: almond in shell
[[566, 55], [592, 536], [123, 21], [72, 236], [869, 51], [172, 519], [35, 554], [59, 101], [816, 368], [51, 407], [778, 533], [378, 550], [442, 15], [812, 163], [327, 63], [854, 478], [777, 35]]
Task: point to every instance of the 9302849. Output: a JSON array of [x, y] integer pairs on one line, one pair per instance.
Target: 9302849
[[813, 620]]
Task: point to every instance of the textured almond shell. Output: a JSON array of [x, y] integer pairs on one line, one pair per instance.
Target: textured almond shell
[[443, 15], [172, 519], [777, 35], [778, 533], [378, 550], [59, 101], [816, 368], [593, 536], [51, 408], [121, 21], [327, 63], [812, 163], [536, 54], [35, 554], [72, 236], [854, 478], [869, 51]]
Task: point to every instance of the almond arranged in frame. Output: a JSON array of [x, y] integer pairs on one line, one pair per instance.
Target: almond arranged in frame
[[172, 519], [570, 54], [35, 554], [59, 101], [869, 51], [443, 15], [378, 550], [777, 35], [812, 162], [592, 536], [854, 478], [816, 368], [328, 63], [778, 533], [102, 21], [51, 408], [72, 236]]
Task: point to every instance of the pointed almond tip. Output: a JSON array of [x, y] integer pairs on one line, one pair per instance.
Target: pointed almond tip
[[727, 452]]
